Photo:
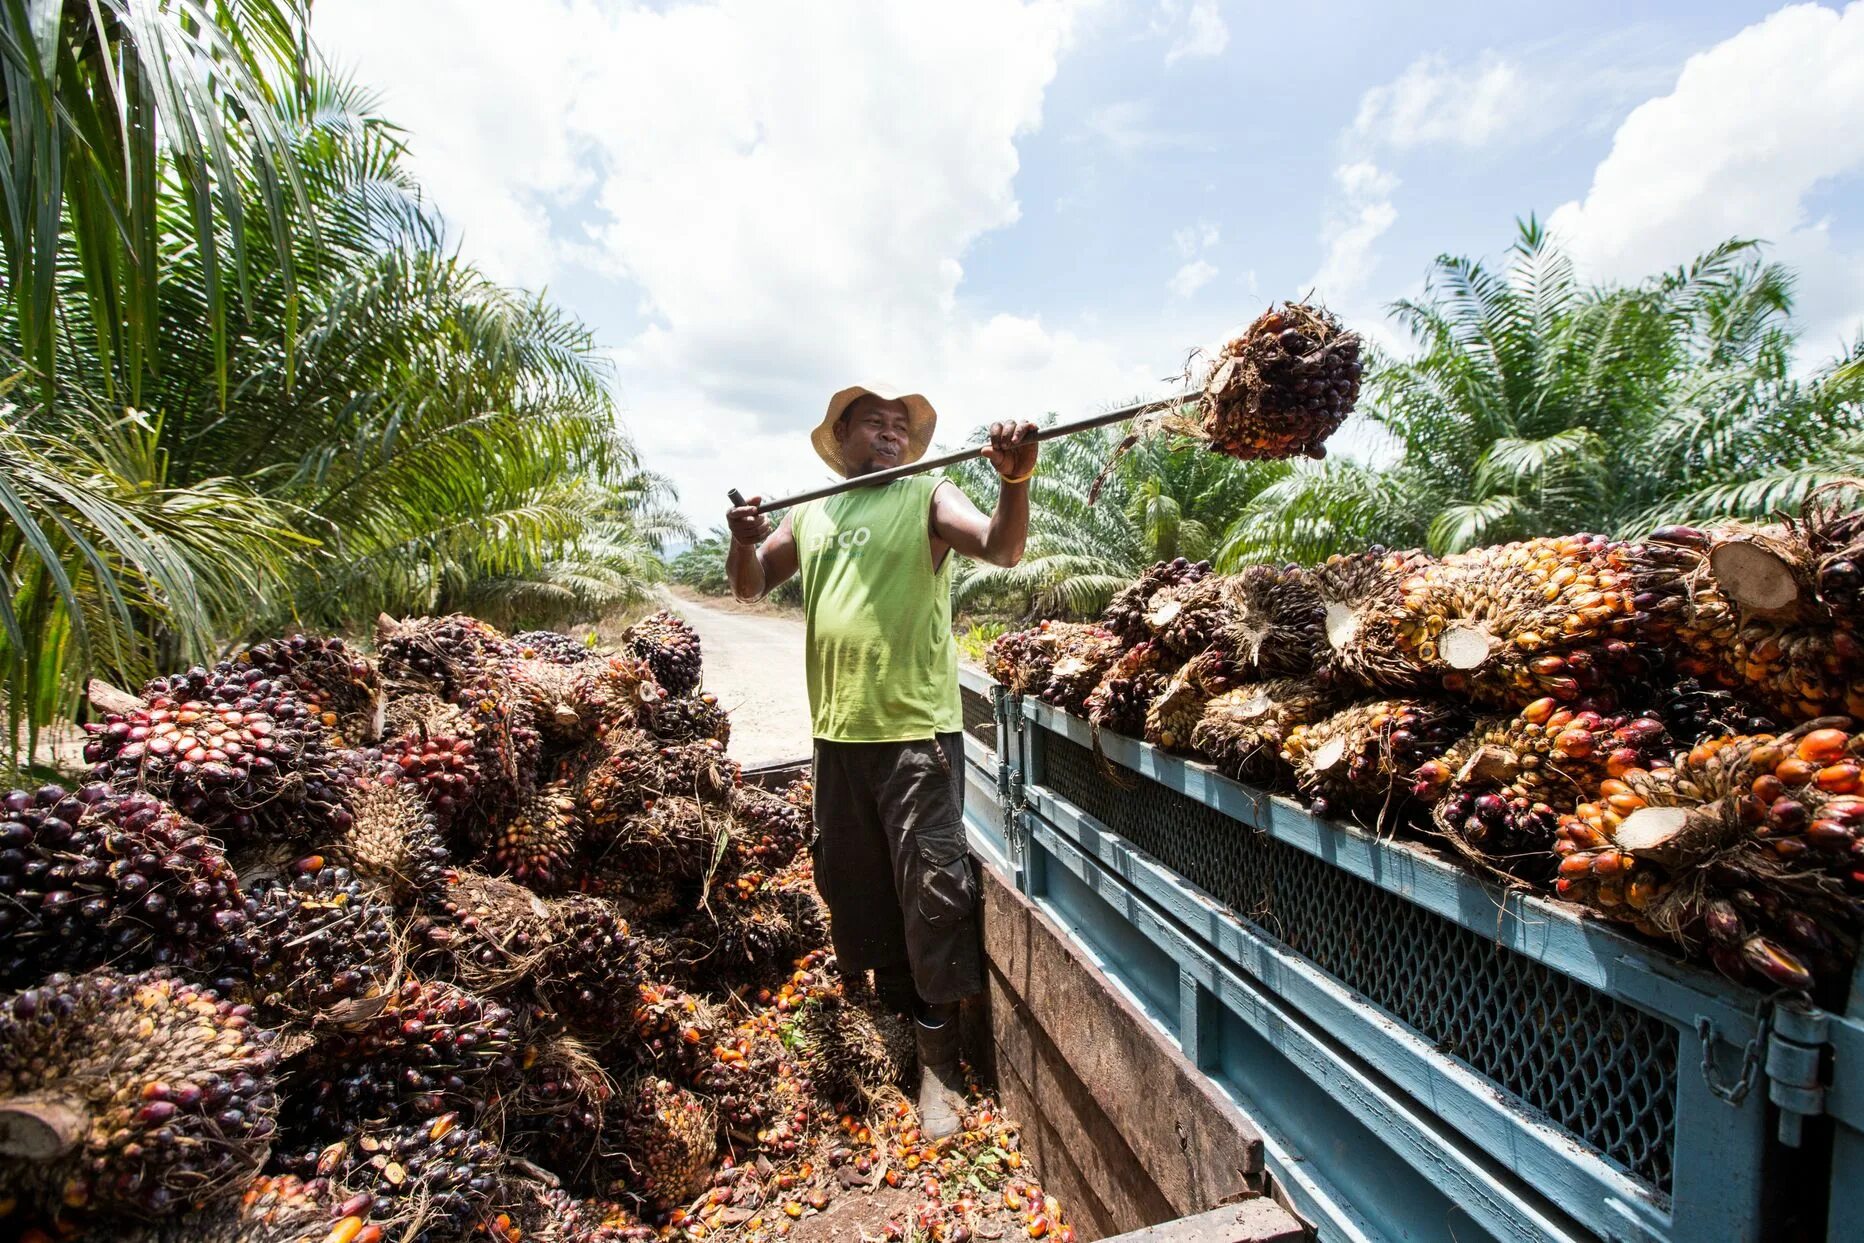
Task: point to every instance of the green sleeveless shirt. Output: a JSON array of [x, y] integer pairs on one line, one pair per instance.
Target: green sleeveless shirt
[[882, 666]]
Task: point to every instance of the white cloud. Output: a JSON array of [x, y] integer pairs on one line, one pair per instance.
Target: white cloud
[[1433, 103], [1192, 277], [787, 191], [1358, 220], [1191, 239], [1204, 33], [1752, 129], [1127, 127]]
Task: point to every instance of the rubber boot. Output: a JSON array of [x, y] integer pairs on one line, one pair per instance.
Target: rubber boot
[[941, 1084]]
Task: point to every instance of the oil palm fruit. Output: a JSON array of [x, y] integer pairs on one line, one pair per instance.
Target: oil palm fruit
[[1283, 387], [1277, 623], [555, 647], [507, 743], [1082, 657], [538, 846], [442, 767], [427, 1181], [690, 718], [617, 775], [770, 831], [484, 932], [318, 943], [99, 876], [394, 842], [1191, 618], [1515, 623], [615, 691], [560, 1108], [590, 970], [433, 1048], [699, 770], [271, 1208], [674, 1031], [854, 1047], [1125, 614], [1173, 716], [671, 649], [442, 655], [327, 673], [670, 1138], [135, 1094], [1832, 526], [1119, 703], [756, 1091], [1364, 756], [1695, 712], [671, 837], [1360, 604], [1243, 730], [1024, 659], [233, 753]]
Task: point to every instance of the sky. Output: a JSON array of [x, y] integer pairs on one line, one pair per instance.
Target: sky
[[1025, 206]]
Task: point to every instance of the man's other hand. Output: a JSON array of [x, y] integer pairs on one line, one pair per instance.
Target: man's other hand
[[747, 525], [1012, 449]]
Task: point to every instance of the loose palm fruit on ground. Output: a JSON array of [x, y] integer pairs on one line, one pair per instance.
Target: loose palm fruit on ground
[[1119, 703], [1242, 731], [99, 876], [1360, 602], [1191, 618], [1518, 622], [433, 1047], [1277, 624], [591, 970], [135, 1094], [1283, 387], [669, 1136], [556, 1216], [687, 719], [233, 753], [1082, 657], [437, 654], [316, 944], [539, 844], [1172, 717], [1125, 614], [485, 932], [338, 680], [671, 649], [394, 842], [1363, 757], [558, 649]]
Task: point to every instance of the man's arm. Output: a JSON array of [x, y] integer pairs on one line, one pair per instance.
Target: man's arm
[[998, 539], [755, 570]]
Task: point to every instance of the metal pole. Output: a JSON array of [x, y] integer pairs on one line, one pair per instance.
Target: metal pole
[[879, 477]]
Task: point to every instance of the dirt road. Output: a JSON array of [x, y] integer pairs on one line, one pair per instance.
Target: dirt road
[[754, 664]]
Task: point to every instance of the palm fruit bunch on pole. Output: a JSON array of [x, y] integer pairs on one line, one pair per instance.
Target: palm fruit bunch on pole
[[1363, 758], [1283, 387], [1745, 846], [1515, 623], [231, 751], [139, 1094], [1500, 790], [327, 673], [1082, 657], [1173, 715], [1360, 603], [1277, 623], [1133, 681], [99, 876], [1243, 730], [671, 649], [670, 1138], [1125, 614]]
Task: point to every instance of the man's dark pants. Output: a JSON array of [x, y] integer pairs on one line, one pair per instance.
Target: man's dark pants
[[890, 861]]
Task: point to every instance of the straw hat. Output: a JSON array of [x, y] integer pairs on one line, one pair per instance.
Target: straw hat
[[920, 416]]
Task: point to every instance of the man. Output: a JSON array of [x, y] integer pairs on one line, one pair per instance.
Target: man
[[882, 671]]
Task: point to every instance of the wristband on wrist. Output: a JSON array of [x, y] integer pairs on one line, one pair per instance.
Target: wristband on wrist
[[1025, 477]]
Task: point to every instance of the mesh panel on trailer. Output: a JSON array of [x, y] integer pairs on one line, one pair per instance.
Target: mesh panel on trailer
[[1604, 1070], [980, 718]]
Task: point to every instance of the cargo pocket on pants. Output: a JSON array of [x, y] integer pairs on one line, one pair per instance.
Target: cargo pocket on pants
[[947, 885]]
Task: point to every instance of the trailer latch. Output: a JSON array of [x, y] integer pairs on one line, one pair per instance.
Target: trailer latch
[[1795, 1066]]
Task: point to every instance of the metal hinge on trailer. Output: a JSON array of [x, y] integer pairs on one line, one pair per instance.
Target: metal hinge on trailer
[[1796, 1055], [1015, 830]]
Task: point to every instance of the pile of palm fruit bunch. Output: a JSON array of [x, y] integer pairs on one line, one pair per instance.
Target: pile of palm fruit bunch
[[1667, 731], [470, 937]]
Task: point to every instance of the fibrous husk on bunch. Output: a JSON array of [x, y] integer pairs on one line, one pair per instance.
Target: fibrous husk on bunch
[[757, 1090], [1190, 619], [670, 1141], [138, 1094], [1243, 730], [555, 647], [428, 1181], [671, 837], [541, 841], [673, 1031], [1501, 789], [697, 770], [1363, 758], [689, 718], [856, 1049], [1173, 715], [440, 655], [1360, 600], [1744, 848], [1283, 387], [1082, 657], [770, 831], [1125, 614], [558, 1112], [97, 877], [1277, 624], [1518, 622], [394, 842], [1694, 712], [339, 681], [1024, 660], [1832, 525], [1119, 703], [671, 649], [485, 932]]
